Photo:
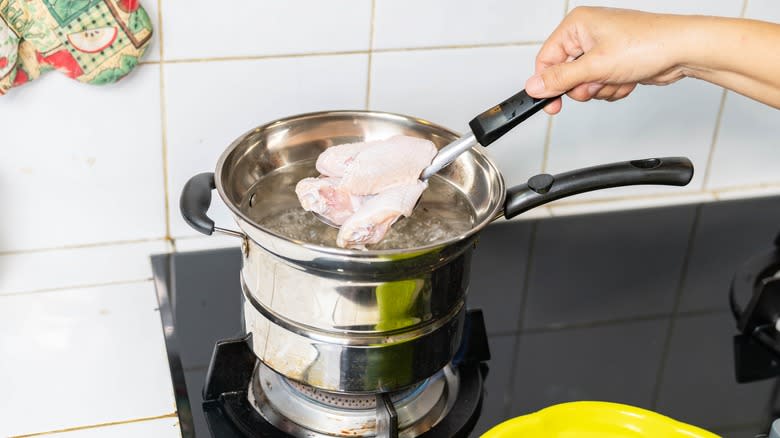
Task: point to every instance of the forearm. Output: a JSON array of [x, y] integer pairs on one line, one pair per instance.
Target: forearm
[[738, 54]]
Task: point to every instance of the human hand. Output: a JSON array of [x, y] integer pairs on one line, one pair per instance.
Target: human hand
[[617, 49]]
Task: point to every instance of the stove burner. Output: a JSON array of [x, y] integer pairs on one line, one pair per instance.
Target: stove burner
[[346, 401], [233, 400], [305, 411]]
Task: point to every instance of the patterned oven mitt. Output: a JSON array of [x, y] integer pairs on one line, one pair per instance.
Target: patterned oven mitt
[[93, 41]]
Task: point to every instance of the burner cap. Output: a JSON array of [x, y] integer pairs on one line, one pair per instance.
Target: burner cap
[[348, 401]]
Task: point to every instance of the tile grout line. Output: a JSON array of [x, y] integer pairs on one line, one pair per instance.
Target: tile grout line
[[77, 286], [346, 52], [163, 123], [593, 324], [83, 246], [659, 377], [614, 322], [263, 57], [509, 391], [718, 120], [715, 134], [367, 103], [647, 197], [99, 425], [459, 46], [547, 141]]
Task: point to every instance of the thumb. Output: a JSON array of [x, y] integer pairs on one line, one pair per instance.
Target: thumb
[[558, 79]]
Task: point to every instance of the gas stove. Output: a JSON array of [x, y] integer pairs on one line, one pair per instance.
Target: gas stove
[[640, 318], [243, 397]]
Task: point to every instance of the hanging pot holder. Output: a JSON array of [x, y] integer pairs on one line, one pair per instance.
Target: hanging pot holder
[[92, 41]]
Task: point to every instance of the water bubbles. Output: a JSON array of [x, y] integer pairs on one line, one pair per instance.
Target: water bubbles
[[443, 212]]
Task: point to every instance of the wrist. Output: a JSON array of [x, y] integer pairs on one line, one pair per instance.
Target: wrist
[[702, 40]]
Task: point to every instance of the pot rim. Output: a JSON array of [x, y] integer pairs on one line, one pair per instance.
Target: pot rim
[[355, 253]]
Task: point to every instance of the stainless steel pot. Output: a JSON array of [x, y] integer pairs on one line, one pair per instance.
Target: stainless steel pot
[[367, 321]]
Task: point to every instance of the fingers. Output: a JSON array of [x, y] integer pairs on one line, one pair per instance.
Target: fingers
[[612, 93], [624, 91], [554, 107], [606, 92], [584, 92], [561, 46], [609, 92], [560, 78]]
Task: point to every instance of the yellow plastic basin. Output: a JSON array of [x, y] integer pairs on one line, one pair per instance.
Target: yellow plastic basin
[[589, 419]]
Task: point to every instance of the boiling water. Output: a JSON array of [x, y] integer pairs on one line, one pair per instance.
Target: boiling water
[[443, 212]]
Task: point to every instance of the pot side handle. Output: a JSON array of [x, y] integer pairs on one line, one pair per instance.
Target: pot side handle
[[194, 205], [195, 201], [544, 188]]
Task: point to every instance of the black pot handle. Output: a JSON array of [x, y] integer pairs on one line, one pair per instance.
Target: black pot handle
[[195, 201], [544, 188]]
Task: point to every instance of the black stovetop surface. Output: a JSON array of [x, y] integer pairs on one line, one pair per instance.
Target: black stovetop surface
[[629, 307]]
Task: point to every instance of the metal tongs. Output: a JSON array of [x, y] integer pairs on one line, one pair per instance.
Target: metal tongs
[[487, 128]]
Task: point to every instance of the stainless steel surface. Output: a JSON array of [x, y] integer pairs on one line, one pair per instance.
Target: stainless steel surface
[[293, 411], [230, 233], [361, 358], [346, 401], [448, 154], [285, 142], [349, 320]]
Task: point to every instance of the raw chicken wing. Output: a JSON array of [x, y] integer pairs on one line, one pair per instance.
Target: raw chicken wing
[[335, 159], [365, 187], [373, 219], [325, 197], [385, 164]]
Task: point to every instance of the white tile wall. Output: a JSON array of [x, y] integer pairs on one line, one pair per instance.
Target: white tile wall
[[746, 152], [421, 23], [159, 428], [675, 120], [726, 8], [766, 10], [748, 192], [215, 241], [73, 267], [203, 120], [204, 28], [81, 163], [564, 209], [82, 168], [82, 357], [452, 86]]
